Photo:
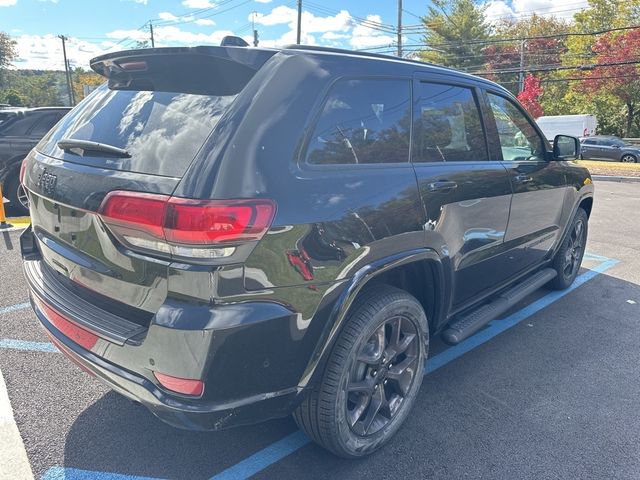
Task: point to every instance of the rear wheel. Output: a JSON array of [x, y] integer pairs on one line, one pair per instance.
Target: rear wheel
[[569, 258], [628, 158], [372, 377]]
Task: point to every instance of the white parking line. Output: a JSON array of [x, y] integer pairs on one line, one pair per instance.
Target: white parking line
[[14, 464]]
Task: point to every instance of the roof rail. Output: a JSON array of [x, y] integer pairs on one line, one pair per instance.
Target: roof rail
[[357, 53]]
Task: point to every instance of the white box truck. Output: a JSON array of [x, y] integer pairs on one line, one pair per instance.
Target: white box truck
[[574, 125]]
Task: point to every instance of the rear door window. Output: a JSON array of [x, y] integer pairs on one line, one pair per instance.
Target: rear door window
[[448, 127], [363, 121], [162, 131]]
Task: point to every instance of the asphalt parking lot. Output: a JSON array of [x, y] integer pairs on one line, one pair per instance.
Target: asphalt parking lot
[[552, 390]]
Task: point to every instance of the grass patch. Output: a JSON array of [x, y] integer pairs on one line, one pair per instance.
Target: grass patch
[[597, 167]]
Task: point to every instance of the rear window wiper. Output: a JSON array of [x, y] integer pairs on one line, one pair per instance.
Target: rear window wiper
[[84, 147]]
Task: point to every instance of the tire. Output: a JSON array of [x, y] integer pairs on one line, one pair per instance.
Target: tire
[[568, 259], [628, 158], [361, 375], [12, 190]]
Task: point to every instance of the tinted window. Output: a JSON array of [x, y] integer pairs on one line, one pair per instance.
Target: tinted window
[[363, 121], [162, 131], [45, 124], [448, 126], [589, 142], [18, 125], [519, 140]]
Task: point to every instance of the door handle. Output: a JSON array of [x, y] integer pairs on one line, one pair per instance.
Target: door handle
[[522, 179], [441, 185]]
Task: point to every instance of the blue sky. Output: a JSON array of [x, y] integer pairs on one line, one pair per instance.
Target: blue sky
[[99, 26]]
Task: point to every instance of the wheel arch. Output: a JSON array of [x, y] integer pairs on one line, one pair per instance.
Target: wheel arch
[[586, 204], [408, 271]]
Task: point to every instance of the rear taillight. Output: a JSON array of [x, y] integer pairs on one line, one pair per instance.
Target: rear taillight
[[197, 229], [185, 386], [23, 169]]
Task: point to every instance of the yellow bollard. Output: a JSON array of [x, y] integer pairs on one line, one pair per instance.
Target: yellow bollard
[[3, 219]]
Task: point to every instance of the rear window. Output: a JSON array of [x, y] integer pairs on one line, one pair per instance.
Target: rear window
[[162, 131]]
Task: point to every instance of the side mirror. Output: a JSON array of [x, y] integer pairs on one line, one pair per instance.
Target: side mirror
[[566, 147]]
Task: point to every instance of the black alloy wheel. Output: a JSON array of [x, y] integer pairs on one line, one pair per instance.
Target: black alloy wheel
[[372, 376], [569, 257], [382, 375]]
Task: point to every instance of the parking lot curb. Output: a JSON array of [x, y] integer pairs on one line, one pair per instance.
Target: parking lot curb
[[612, 178], [14, 464]]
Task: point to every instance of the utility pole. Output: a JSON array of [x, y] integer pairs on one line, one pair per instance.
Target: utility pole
[[299, 21], [153, 43], [255, 32], [521, 74], [66, 69], [400, 28]]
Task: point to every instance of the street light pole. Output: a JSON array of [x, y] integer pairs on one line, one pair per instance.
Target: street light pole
[[299, 22], [66, 69], [400, 28]]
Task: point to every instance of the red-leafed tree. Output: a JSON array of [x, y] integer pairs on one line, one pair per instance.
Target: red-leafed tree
[[616, 71], [530, 96]]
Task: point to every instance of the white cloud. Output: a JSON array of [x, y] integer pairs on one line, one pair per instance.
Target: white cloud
[[500, 9], [167, 16], [198, 4], [365, 37], [205, 21], [171, 34], [129, 34], [264, 1], [8, 3], [334, 36], [283, 15], [44, 52]]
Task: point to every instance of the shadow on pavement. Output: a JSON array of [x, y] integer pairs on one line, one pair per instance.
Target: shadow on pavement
[[554, 397]]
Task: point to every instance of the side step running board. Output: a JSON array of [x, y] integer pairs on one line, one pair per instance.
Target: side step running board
[[465, 326]]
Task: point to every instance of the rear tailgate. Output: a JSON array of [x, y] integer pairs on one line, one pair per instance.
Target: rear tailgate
[[138, 133]]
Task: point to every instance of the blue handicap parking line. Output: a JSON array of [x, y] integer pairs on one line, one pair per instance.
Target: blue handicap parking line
[[14, 308], [63, 473], [295, 441], [265, 457], [25, 345]]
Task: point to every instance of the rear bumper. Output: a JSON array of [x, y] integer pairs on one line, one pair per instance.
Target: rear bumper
[[124, 355], [181, 413]]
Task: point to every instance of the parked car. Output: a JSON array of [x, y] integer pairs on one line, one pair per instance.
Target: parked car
[[611, 148], [228, 235], [20, 130]]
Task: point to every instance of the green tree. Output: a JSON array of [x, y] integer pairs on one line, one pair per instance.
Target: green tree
[[13, 98], [7, 53], [455, 31]]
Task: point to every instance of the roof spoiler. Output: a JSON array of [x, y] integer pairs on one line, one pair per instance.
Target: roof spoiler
[[199, 70]]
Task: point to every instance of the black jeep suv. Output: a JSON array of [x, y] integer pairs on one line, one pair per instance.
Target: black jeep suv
[[230, 234], [20, 130]]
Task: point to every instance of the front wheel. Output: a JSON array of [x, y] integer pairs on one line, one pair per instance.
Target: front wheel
[[372, 377], [627, 158], [569, 258]]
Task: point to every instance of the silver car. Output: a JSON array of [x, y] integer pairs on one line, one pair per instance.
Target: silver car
[[609, 148]]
